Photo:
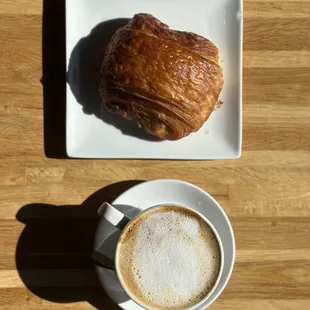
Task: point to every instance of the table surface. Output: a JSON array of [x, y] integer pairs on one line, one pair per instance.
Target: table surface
[[48, 203]]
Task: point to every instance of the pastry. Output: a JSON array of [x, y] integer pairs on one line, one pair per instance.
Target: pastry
[[167, 81]]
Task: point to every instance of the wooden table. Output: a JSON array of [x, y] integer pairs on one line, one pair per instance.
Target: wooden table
[[48, 204]]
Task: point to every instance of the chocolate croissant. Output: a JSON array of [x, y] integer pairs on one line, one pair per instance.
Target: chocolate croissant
[[165, 80]]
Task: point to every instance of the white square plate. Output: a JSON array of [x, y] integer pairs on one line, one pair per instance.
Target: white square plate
[[90, 24]]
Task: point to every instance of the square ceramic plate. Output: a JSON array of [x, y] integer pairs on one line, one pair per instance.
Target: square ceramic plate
[[91, 134]]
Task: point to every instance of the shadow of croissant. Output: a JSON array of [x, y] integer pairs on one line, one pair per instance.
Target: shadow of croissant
[[54, 251], [83, 77]]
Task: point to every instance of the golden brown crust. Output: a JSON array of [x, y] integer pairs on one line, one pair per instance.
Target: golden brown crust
[[168, 81]]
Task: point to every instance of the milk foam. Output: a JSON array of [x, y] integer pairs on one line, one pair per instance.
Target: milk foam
[[169, 258]]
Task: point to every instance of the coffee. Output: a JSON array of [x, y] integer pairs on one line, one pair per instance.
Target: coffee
[[168, 258]]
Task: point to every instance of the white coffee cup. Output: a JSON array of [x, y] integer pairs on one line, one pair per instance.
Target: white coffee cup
[[121, 221]]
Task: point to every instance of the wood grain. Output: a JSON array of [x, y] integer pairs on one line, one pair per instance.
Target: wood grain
[[266, 193]]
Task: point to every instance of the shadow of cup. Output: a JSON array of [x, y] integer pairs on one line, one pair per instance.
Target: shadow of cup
[[54, 251]]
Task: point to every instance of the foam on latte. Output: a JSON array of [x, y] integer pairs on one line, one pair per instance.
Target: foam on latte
[[168, 258]]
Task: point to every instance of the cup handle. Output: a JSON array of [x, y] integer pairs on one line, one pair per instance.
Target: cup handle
[[114, 216], [117, 219]]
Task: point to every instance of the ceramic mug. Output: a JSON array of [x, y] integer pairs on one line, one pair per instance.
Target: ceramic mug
[[120, 221]]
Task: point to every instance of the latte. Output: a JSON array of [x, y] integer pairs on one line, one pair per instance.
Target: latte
[[168, 258]]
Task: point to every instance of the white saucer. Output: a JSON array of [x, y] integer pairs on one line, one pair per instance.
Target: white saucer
[[148, 194]]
